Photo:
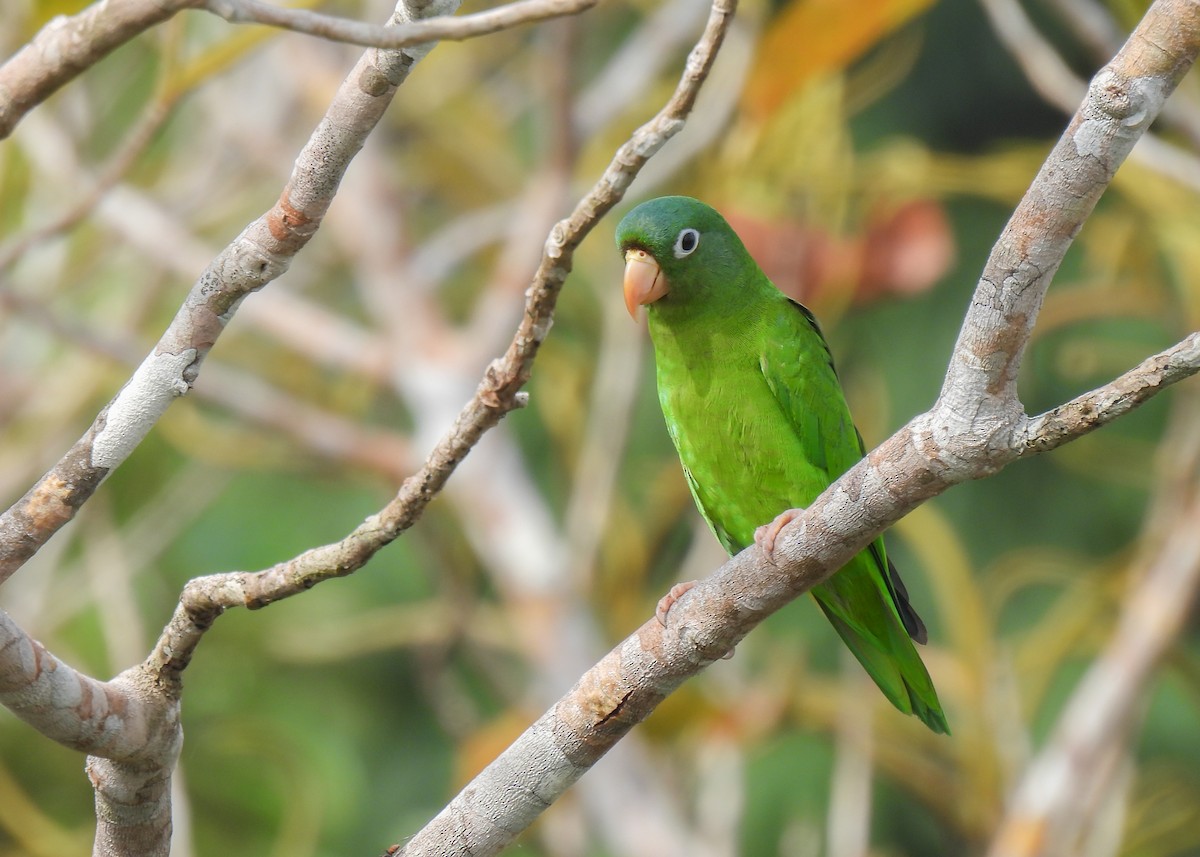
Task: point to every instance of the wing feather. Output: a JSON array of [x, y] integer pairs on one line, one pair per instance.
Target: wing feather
[[866, 601]]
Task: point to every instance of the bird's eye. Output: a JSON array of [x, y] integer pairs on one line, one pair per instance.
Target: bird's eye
[[688, 240]]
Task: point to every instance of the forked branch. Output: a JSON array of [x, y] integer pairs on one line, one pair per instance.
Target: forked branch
[[976, 427]]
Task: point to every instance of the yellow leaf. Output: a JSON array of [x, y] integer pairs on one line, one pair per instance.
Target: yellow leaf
[[811, 37]]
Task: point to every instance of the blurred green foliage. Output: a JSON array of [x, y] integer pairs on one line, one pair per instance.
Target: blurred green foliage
[[341, 721]]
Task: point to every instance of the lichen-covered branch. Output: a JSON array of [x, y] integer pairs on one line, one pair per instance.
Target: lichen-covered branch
[[1117, 398], [127, 726], [65, 705]]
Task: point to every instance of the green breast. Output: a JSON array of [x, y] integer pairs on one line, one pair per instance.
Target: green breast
[[744, 461]]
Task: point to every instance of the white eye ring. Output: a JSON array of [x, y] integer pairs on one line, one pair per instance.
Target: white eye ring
[[686, 243]]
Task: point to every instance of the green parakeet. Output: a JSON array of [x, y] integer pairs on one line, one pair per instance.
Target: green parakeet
[[751, 400]]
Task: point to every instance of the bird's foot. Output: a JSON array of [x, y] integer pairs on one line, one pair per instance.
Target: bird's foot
[[668, 601], [765, 535]]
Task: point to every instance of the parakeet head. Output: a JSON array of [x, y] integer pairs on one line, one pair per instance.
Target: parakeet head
[[680, 252]]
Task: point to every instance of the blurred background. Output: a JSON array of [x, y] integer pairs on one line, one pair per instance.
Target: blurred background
[[868, 153]]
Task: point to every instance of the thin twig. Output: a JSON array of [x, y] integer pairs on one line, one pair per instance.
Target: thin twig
[[511, 526], [68, 46], [636, 64], [1101, 406], [393, 37]]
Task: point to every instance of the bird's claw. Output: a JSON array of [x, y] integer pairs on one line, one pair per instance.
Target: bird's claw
[[668, 601], [766, 535]]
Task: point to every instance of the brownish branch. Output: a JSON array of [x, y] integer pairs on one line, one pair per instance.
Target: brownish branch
[[129, 728], [65, 705]]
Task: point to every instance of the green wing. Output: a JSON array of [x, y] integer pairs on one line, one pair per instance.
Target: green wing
[[865, 601]]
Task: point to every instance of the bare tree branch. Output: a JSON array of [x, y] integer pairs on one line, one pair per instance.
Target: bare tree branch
[[514, 530], [393, 37], [67, 46], [325, 336], [972, 431], [261, 253], [124, 719], [1101, 406], [133, 806], [1122, 101], [65, 705], [666, 29]]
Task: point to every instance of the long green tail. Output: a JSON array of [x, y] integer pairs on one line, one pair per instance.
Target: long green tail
[[862, 607]]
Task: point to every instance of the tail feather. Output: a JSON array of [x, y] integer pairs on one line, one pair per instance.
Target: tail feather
[[911, 697], [871, 613]]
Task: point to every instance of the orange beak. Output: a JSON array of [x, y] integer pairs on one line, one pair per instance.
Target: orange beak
[[644, 280]]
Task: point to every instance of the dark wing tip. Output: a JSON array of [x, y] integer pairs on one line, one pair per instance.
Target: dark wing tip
[[908, 616], [912, 622]]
